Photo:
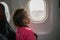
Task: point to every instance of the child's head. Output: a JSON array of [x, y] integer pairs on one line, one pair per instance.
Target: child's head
[[20, 17]]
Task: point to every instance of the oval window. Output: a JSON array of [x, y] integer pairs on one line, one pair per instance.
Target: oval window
[[37, 11]]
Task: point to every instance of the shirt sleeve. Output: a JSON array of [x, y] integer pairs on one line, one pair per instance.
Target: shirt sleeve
[[19, 36]]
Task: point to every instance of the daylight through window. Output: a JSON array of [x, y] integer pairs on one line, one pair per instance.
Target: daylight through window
[[37, 10]]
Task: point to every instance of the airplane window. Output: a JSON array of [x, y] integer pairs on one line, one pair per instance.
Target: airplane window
[[37, 11]]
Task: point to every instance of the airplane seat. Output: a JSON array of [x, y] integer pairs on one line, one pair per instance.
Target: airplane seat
[[6, 31], [3, 37]]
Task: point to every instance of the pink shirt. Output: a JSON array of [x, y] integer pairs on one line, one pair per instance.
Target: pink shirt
[[24, 33]]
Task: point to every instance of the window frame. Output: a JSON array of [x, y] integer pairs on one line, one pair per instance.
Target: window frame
[[46, 16]]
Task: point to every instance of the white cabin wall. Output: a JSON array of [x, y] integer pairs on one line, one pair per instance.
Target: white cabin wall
[[16, 4], [56, 18], [55, 34], [8, 2]]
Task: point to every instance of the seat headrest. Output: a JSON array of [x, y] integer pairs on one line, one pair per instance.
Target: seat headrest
[[1, 12], [7, 13]]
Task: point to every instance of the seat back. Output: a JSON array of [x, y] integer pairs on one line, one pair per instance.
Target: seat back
[[5, 28]]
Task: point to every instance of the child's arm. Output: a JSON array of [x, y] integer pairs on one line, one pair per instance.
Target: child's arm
[[19, 36]]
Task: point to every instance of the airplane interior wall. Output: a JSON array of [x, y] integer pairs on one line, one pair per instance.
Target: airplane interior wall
[[8, 3], [52, 23]]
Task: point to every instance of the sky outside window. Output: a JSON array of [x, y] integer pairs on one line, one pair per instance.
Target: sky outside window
[[37, 10]]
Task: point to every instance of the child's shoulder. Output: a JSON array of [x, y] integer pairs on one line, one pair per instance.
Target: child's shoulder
[[23, 29]]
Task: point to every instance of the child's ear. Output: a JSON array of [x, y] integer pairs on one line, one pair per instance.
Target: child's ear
[[26, 21]]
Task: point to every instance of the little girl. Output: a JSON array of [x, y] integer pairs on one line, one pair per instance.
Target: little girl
[[21, 20]]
